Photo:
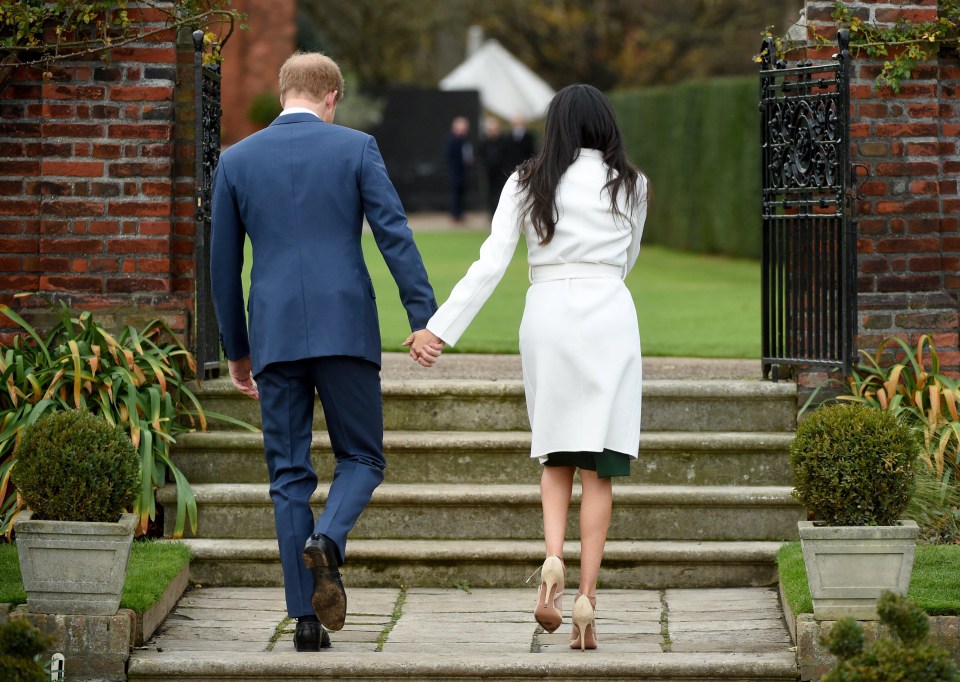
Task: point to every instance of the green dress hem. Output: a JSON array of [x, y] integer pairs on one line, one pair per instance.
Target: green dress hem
[[607, 464]]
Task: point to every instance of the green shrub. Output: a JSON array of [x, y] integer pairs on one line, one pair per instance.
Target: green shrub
[[21, 646], [74, 466], [908, 655], [264, 107], [699, 143], [935, 506], [137, 379], [360, 111], [854, 465], [908, 382]]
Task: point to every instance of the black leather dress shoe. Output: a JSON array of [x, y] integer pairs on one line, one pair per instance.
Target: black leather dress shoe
[[310, 636], [329, 598]]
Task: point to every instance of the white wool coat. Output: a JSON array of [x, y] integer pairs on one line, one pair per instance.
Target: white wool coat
[[579, 338]]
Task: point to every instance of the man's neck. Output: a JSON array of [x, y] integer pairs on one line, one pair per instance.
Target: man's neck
[[319, 108]]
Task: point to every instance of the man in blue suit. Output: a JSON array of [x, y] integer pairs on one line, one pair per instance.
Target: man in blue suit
[[300, 190]]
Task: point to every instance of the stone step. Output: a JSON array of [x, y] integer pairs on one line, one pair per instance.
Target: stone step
[[456, 631], [452, 665], [470, 405], [627, 564], [666, 458], [498, 511]]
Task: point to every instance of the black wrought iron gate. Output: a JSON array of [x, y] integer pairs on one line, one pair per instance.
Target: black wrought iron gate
[[809, 261], [207, 151]]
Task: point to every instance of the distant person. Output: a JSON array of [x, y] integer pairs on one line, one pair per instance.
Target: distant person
[[521, 145], [300, 190], [459, 154], [493, 156], [581, 206]]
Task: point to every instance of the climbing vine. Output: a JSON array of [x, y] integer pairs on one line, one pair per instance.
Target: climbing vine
[[42, 32], [903, 45]]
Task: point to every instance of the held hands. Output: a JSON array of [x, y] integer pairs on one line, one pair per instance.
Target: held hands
[[425, 347], [240, 375]]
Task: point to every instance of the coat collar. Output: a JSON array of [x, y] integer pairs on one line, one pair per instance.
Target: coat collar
[[297, 117]]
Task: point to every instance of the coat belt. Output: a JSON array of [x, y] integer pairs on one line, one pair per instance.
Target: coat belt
[[557, 271]]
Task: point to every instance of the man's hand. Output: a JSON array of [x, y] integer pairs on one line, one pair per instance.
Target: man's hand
[[241, 377], [425, 347]]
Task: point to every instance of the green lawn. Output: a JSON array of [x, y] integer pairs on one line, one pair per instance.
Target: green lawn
[[151, 568], [934, 585], [688, 305]]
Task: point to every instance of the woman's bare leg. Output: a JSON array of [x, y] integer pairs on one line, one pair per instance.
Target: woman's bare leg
[[595, 509], [556, 487]]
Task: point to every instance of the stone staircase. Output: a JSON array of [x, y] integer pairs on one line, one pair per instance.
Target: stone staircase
[[707, 505]]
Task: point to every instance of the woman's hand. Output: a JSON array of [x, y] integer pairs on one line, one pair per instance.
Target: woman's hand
[[425, 347]]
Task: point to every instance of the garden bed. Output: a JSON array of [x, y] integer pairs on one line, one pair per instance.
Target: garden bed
[[156, 578], [934, 586]]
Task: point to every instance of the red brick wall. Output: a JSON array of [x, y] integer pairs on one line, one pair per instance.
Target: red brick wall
[[909, 243], [255, 57], [87, 179]]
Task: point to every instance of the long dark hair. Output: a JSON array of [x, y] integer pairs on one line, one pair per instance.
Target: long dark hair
[[579, 116]]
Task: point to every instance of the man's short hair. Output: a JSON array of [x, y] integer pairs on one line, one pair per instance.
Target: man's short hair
[[311, 74]]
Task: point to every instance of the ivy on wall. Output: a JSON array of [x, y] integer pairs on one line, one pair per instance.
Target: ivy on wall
[[40, 32], [903, 45]]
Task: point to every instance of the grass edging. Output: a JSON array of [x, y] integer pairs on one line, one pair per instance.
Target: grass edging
[[153, 567], [934, 585], [157, 575], [715, 293]]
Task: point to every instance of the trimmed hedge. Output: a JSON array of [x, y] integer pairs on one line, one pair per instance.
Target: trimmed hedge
[[854, 465], [75, 466], [699, 143]]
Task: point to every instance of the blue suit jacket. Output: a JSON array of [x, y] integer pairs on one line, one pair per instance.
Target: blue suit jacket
[[300, 190]]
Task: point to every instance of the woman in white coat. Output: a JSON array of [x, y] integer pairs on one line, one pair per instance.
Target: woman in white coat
[[581, 207]]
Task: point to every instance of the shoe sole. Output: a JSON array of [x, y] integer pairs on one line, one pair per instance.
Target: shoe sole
[[322, 645], [549, 618], [329, 599]]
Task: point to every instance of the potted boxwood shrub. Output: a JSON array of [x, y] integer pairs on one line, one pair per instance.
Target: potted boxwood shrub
[[854, 468], [77, 475]]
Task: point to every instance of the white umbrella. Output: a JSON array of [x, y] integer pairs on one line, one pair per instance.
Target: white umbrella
[[506, 86]]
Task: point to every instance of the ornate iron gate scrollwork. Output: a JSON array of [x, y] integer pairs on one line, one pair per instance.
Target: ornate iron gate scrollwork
[[809, 257], [207, 153]]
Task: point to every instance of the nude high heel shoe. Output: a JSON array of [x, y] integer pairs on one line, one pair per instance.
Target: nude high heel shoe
[[584, 623], [549, 611]]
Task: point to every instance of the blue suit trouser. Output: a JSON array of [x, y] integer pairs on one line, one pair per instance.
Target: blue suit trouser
[[349, 391]]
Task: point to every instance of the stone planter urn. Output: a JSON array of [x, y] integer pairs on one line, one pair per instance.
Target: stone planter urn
[[854, 467], [849, 566], [73, 567]]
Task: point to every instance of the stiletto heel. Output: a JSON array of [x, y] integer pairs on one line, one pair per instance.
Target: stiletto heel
[[549, 613], [584, 623]]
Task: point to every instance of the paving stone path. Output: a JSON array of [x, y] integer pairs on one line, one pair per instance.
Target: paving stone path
[[490, 622]]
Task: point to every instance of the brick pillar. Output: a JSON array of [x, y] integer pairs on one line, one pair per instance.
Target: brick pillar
[[948, 141], [255, 57], [87, 204], [909, 244]]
